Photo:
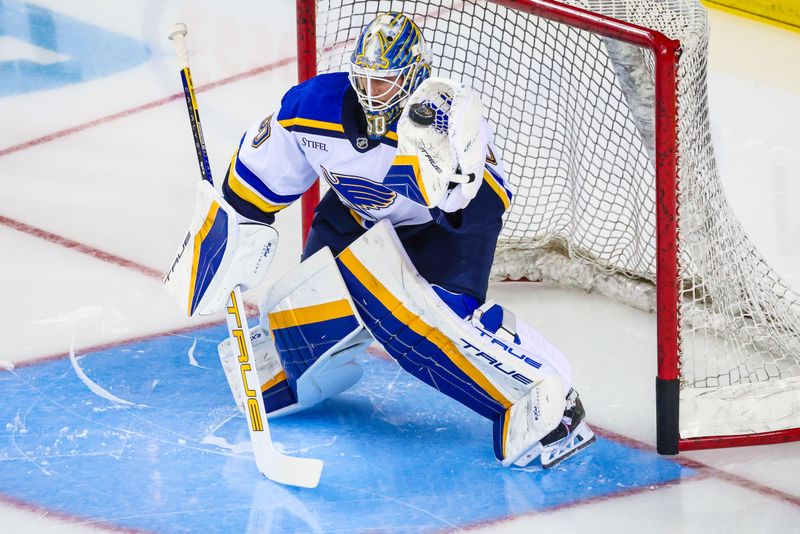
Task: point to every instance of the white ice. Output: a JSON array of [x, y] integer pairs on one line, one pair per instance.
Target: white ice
[[125, 187]]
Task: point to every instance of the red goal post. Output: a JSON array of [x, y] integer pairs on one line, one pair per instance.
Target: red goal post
[[669, 280]]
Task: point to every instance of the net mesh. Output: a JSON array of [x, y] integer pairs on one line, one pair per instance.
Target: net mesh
[[573, 114]]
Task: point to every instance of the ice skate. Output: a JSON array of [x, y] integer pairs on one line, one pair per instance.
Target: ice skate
[[569, 437]]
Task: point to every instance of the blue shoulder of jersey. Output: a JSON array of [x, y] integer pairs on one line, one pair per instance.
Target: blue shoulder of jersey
[[315, 106]]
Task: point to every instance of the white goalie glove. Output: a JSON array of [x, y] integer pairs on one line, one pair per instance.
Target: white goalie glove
[[442, 130], [218, 253]]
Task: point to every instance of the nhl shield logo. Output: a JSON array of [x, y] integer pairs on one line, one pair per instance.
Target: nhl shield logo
[[361, 143]]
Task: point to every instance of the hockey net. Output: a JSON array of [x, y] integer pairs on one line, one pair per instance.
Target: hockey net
[[574, 112]]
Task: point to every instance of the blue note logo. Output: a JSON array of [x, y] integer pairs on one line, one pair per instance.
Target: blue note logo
[[359, 193], [43, 49]]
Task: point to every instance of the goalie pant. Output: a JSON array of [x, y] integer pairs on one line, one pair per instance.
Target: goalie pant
[[496, 366], [455, 252]]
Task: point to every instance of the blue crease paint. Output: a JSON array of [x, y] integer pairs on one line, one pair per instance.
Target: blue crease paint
[[399, 456]]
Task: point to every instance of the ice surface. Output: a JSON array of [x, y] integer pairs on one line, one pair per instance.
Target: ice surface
[[106, 161]]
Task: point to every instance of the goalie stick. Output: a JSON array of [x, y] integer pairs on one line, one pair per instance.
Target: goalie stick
[[274, 465]]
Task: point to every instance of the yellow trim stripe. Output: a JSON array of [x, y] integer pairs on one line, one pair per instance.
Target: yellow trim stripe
[[413, 161], [434, 335], [359, 219], [198, 241], [505, 429], [501, 192], [274, 380], [322, 125], [243, 191], [192, 98], [310, 314]]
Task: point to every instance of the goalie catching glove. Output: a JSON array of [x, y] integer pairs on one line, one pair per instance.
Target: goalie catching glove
[[217, 254], [442, 130]]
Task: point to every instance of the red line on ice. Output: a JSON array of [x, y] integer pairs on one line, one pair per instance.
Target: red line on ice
[[108, 257], [78, 247], [89, 522], [144, 107], [92, 251], [574, 504], [705, 470], [112, 344], [711, 471]]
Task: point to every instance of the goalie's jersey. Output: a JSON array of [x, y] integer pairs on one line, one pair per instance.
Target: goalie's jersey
[[320, 131]]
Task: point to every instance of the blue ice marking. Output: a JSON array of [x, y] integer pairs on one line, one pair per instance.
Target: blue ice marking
[[399, 456], [54, 50]]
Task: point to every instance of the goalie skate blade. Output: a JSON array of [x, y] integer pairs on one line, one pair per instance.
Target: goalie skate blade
[[575, 442], [292, 471], [528, 457]]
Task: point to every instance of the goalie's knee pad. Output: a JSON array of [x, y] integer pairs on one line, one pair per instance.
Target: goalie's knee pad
[[310, 335], [466, 362]]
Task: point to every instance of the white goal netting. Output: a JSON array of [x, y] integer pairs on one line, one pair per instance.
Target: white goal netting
[[573, 114]]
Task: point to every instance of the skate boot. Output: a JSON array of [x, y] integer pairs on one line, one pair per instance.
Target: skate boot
[[519, 432], [569, 437]]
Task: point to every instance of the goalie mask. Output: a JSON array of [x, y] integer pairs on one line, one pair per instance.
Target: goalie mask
[[389, 62]]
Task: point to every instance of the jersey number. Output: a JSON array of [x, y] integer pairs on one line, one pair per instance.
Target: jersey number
[[264, 131], [376, 125]]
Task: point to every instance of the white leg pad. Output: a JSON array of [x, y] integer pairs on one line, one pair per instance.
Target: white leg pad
[[309, 338], [517, 385], [532, 418], [266, 361], [330, 375]]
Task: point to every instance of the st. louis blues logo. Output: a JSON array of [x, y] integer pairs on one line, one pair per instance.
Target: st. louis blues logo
[[388, 39], [360, 193], [373, 51]]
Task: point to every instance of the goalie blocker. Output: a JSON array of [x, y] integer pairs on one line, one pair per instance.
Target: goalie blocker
[[316, 320], [217, 254]]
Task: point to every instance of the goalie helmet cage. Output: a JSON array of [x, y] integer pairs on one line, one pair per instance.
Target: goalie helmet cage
[[601, 115]]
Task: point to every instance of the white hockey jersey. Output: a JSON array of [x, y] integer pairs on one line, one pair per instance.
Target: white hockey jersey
[[319, 131]]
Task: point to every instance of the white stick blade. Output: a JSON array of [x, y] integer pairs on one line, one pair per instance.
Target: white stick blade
[[303, 472], [290, 470]]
